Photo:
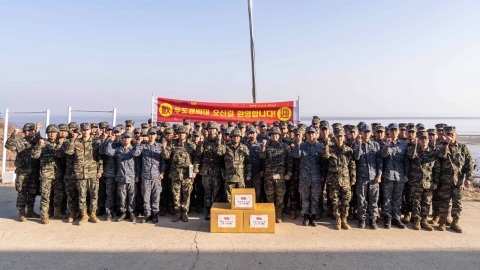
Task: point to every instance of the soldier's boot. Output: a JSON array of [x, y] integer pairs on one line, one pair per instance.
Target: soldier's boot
[[338, 223], [84, 218], [172, 211], [361, 224], [416, 224], [31, 213], [455, 226], [306, 220], [330, 213], [442, 224], [319, 214], [278, 216], [58, 213], [45, 218], [425, 225], [286, 210], [345, 224], [133, 217], [388, 222], [93, 217], [163, 211], [449, 221], [177, 217], [199, 209], [373, 224], [312, 221], [406, 218], [350, 213], [154, 217], [122, 216], [398, 223], [184, 216], [207, 216], [146, 218], [101, 211], [293, 214], [435, 219], [71, 217], [108, 217], [21, 215]]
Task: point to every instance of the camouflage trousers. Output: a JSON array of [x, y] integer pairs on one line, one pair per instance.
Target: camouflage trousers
[[421, 201], [310, 192], [447, 192], [47, 185], [230, 185], [274, 191], [90, 187], [293, 192], [256, 182], [198, 193], [392, 198], [406, 199], [126, 196], [72, 196], [166, 196], [326, 187], [181, 194], [110, 191], [212, 180], [102, 192], [340, 197], [367, 198], [151, 190], [26, 186]]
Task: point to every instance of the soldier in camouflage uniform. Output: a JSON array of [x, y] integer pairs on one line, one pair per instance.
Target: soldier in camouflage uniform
[[441, 137], [369, 174], [352, 135], [125, 177], [237, 163], [198, 193], [50, 172], [262, 135], [310, 184], [395, 171], [422, 179], [325, 138], [166, 196], [184, 167], [258, 165], [456, 171], [212, 164], [402, 132], [293, 186], [25, 182], [340, 177], [102, 186], [278, 168], [406, 198], [88, 169]]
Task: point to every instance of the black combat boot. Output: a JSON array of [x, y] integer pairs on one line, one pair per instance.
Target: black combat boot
[[388, 222], [133, 218], [100, 211], [306, 220], [398, 223], [154, 217], [122, 216], [163, 211], [361, 224], [373, 224], [207, 217], [108, 217], [312, 220], [146, 218]]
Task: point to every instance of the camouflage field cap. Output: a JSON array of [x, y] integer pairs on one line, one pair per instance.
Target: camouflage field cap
[[236, 132], [186, 121], [274, 130], [212, 125], [242, 125], [231, 124], [276, 123], [168, 131], [411, 128], [222, 127], [120, 126], [421, 134], [109, 127], [198, 124], [103, 124], [380, 128], [290, 124], [182, 129], [63, 127], [324, 124], [85, 126], [337, 126], [52, 128], [431, 131], [440, 126], [316, 120], [291, 128], [129, 123], [93, 125], [450, 130], [355, 128], [166, 124], [402, 126], [360, 124], [255, 123], [196, 133], [137, 130], [73, 125], [374, 125], [339, 132], [144, 125], [283, 125]]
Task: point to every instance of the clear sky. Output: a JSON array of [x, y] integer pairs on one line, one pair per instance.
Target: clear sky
[[344, 58]]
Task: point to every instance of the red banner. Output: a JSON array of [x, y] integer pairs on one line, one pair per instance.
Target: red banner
[[175, 110]]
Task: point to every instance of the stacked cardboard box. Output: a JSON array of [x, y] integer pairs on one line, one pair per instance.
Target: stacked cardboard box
[[243, 214]]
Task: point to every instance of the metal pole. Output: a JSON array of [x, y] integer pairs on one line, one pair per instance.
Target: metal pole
[[5, 134], [252, 51], [153, 105], [48, 118], [114, 120], [69, 115]]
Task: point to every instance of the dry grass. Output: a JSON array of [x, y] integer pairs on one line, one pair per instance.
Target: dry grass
[[472, 193]]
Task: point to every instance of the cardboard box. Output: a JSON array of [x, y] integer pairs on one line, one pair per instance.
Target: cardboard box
[[243, 198], [225, 220], [260, 220]]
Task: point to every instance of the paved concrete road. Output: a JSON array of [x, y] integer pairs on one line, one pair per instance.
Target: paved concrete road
[[168, 245]]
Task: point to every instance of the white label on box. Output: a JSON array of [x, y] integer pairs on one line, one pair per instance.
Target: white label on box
[[244, 201], [258, 221], [227, 221]]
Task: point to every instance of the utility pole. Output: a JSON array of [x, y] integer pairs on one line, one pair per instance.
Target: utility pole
[[252, 51]]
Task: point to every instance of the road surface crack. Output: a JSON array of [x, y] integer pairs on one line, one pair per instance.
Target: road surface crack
[[196, 244]]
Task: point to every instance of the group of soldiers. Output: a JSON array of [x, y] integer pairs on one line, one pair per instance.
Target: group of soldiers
[[366, 171]]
